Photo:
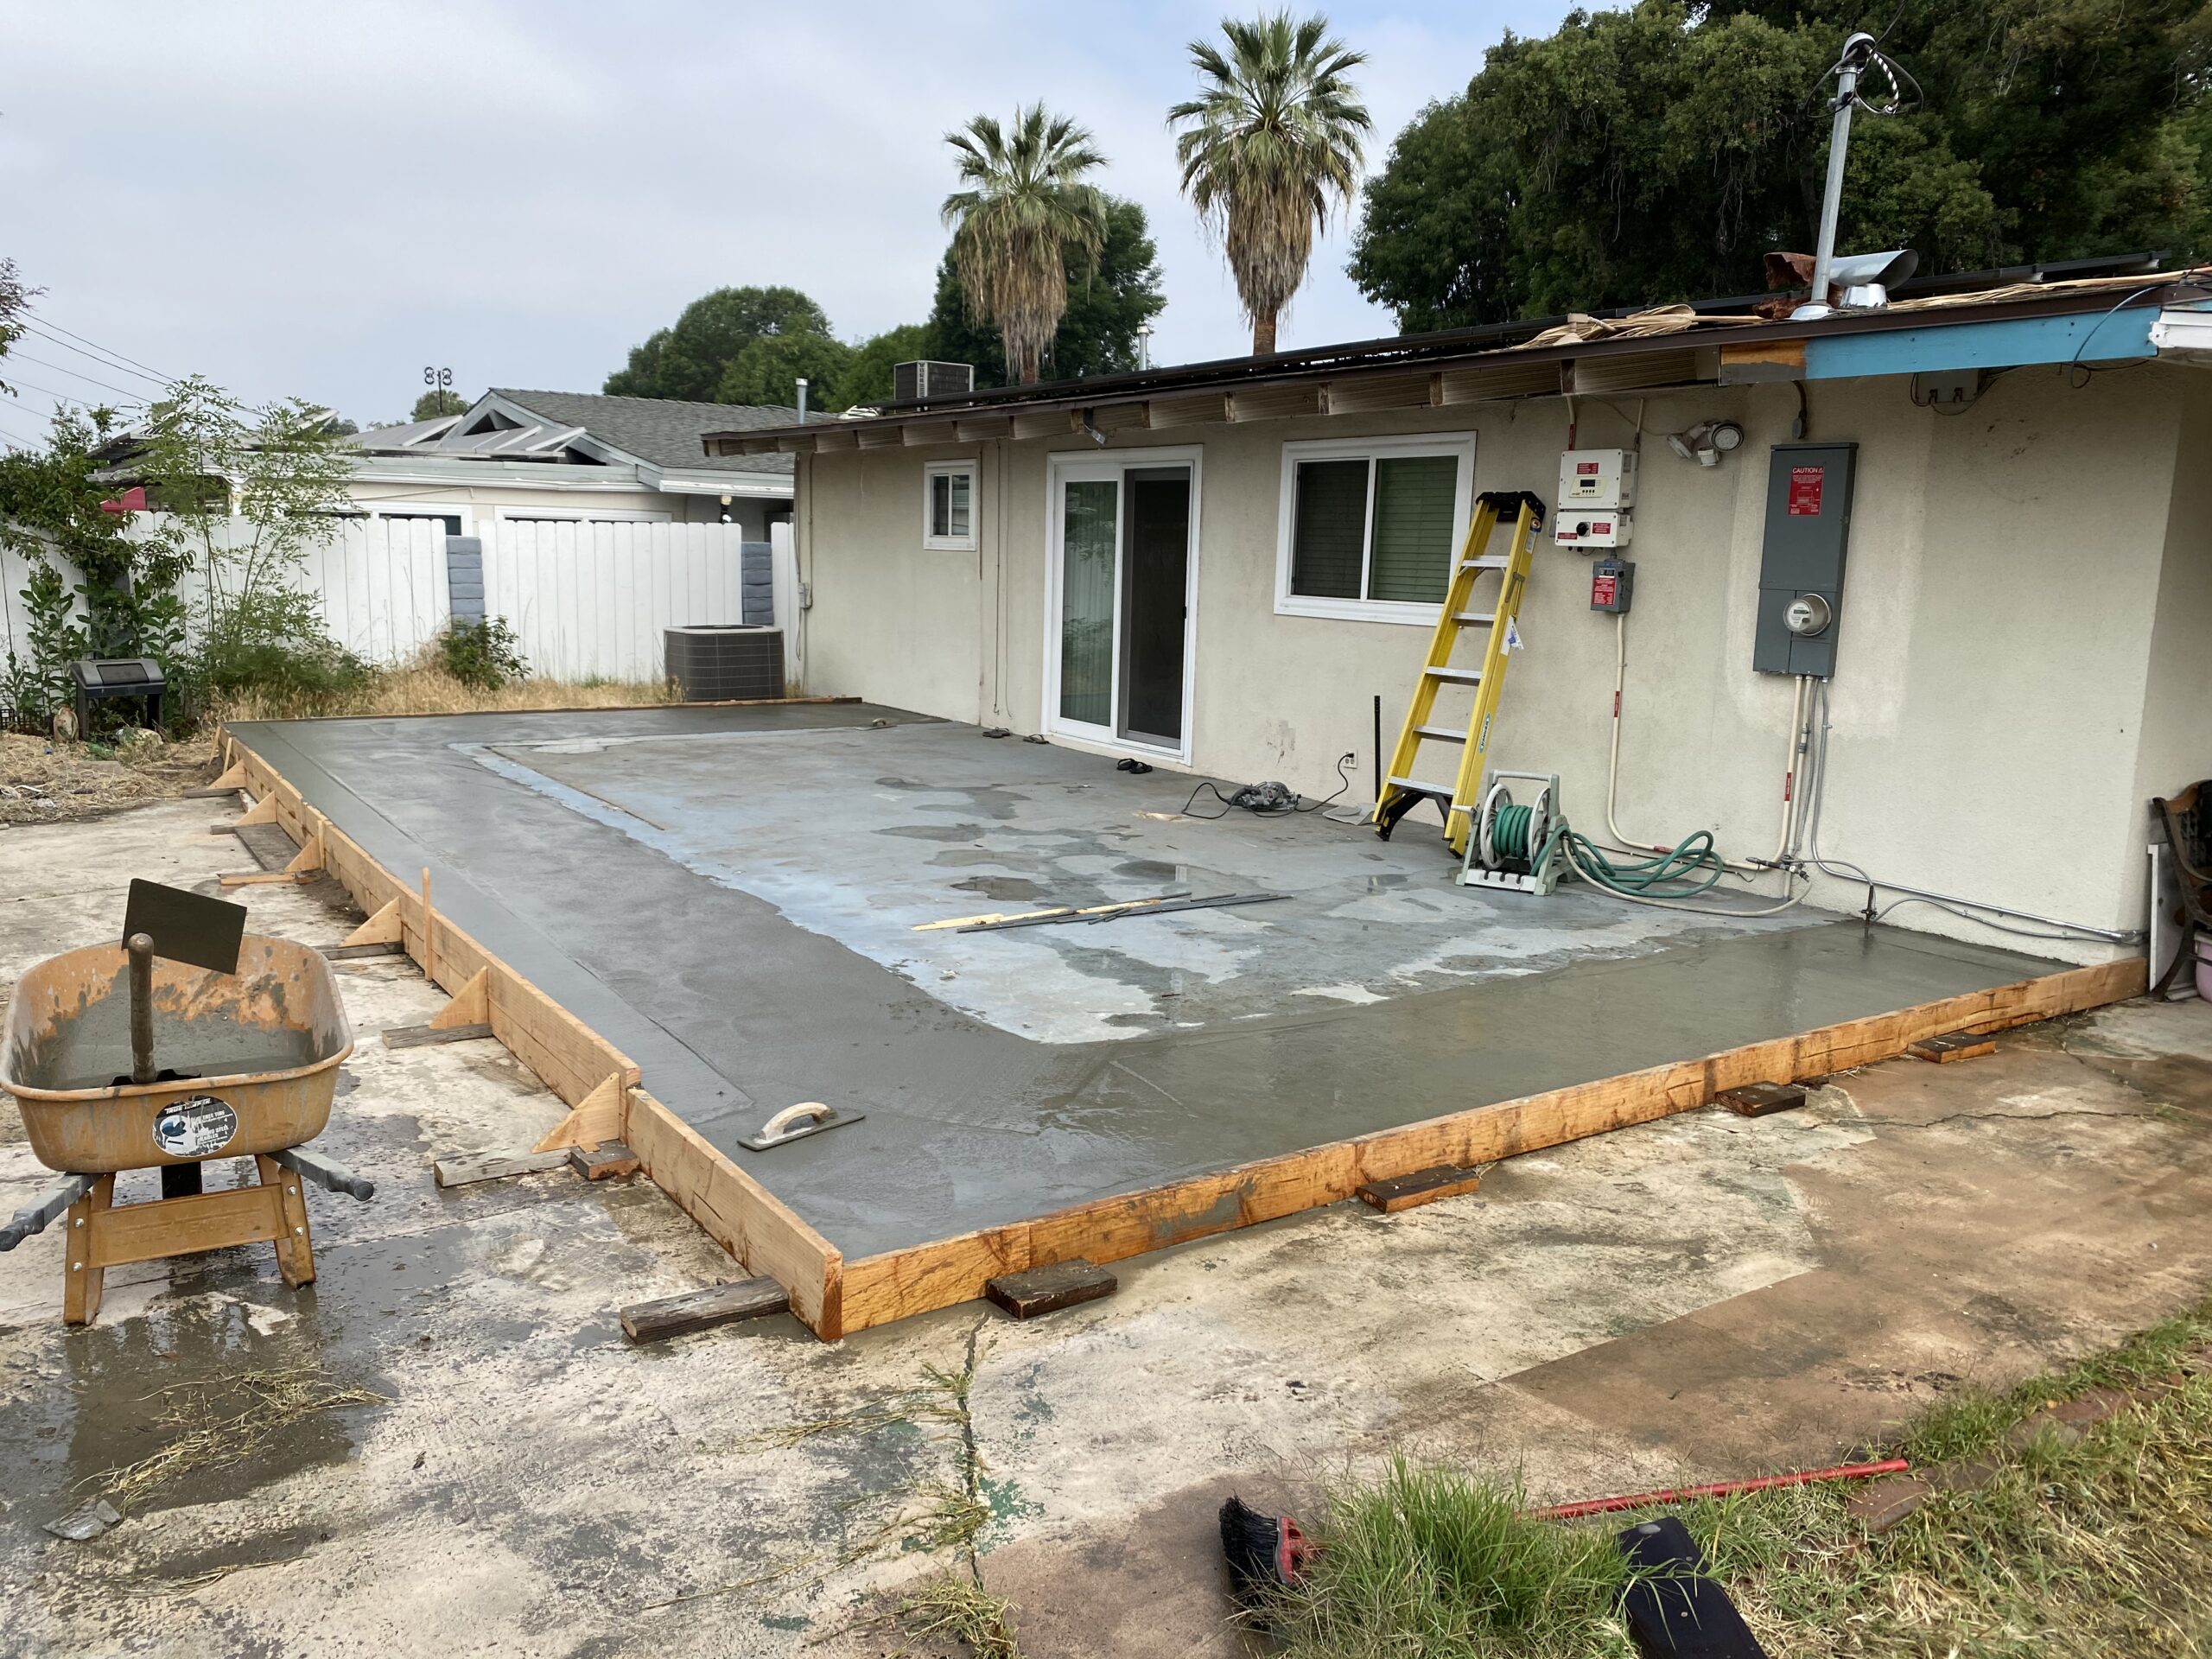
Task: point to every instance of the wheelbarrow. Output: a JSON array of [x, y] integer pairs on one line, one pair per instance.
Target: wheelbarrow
[[123, 1058]]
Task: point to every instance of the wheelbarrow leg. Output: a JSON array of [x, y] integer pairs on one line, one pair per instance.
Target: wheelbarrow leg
[[295, 1248], [83, 1277]]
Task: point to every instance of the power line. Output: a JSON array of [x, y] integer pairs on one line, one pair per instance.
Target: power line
[[106, 361], [63, 368], [65, 397], [130, 361]]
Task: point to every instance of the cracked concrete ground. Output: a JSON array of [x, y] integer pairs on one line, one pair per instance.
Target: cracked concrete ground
[[1698, 1297]]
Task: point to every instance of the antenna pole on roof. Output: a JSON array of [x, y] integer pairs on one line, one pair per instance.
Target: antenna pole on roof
[[802, 400], [1858, 51]]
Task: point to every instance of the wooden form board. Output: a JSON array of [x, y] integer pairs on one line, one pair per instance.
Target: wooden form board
[[877, 1289], [832, 1297]]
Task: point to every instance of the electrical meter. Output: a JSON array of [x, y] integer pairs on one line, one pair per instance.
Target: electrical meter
[[1808, 616], [1611, 581], [1591, 527]]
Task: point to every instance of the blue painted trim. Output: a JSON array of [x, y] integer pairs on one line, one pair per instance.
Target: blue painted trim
[[2082, 337]]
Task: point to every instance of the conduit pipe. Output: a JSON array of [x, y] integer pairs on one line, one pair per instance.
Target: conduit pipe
[[1800, 720], [1962, 908]]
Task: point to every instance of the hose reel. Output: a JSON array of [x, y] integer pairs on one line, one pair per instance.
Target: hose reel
[[1516, 847]]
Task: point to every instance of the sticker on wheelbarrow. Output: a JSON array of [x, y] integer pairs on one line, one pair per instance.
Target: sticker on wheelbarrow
[[197, 1128]]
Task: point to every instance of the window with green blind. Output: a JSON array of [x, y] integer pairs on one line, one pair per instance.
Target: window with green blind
[[1371, 529]]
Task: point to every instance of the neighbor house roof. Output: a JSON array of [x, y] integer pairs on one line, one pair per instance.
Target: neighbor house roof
[[2037, 314], [582, 427]]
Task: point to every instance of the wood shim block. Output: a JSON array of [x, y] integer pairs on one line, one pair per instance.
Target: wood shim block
[[471, 1004], [385, 927], [1046, 1290], [603, 1162], [495, 1165], [1423, 1187], [599, 1115], [426, 1036], [1953, 1046], [702, 1310], [1758, 1099], [353, 952], [259, 878], [262, 812]]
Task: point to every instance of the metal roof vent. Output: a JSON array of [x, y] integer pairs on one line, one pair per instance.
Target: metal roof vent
[[910, 381]]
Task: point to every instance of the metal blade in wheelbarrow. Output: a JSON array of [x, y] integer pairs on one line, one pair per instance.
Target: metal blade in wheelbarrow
[[185, 927]]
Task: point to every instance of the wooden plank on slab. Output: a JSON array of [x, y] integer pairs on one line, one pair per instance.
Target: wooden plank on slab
[[431, 1036], [702, 1310], [356, 952], [1953, 1046], [1046, 1290], [495, 1166], [1758, 1099], [606, 1161], [1422, 1186], [896, 1284]]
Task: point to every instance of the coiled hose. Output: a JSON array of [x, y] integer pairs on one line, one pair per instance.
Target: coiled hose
[[1692, 866]]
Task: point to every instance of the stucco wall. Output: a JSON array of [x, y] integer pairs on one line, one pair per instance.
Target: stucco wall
[[2176, 747], [1996, 640]]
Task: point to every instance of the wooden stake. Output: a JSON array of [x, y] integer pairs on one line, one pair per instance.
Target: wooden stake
[[471, 1004], [262, 812], [233, 778], [599, 1116], [307, 859], [429, 931]]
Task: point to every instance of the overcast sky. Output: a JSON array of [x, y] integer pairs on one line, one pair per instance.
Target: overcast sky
[[321, 200]]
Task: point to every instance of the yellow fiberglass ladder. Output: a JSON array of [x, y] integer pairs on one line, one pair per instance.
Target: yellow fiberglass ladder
[[1401, 789]]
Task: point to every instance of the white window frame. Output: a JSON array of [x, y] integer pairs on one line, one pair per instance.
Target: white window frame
[[933, 471], [1458, 445], [1061, 465]]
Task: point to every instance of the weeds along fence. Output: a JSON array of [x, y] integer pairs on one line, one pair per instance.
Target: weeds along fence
[[586, 601]]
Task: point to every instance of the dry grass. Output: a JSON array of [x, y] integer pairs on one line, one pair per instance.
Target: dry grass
[[955, 1608], [42, 782], [2102, 1546], [419, 688], [210, 1432]]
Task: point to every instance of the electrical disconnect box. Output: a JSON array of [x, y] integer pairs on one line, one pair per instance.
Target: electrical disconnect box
[[1801, 571], [1597, 488], [1611, 581]]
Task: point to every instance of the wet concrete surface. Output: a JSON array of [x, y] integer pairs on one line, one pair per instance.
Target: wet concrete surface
[[1692, 1300], [730, 896]]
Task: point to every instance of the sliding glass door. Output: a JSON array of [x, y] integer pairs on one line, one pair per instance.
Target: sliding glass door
[[1122, 547]]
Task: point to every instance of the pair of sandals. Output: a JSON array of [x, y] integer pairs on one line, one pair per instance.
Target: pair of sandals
[[1138, 767]]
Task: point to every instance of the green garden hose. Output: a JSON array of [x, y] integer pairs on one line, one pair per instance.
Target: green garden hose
[[1692, 868]]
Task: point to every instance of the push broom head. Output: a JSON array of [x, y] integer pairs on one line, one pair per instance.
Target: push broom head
[[1267, 1555]]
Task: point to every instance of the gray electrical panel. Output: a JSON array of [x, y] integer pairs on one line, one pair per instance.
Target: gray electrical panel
[[1801, 573]]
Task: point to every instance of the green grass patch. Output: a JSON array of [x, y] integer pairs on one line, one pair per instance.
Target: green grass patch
[[2099, 1547]]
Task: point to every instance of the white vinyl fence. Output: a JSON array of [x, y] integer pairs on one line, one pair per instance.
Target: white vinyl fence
[[586, 601]]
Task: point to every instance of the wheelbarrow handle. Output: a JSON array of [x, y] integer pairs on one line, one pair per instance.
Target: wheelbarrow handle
[[53, 1202], [332, 1178]]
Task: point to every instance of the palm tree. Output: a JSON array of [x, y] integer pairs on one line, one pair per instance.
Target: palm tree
[[1026, 204], [1273, 136]]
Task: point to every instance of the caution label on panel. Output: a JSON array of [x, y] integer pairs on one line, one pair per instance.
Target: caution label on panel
[[1805, 484]]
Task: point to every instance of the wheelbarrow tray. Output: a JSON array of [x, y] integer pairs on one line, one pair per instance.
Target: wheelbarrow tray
[[260, 1049]]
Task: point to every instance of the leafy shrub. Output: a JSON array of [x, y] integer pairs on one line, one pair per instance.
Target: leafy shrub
[[484, 653], [270, 641]]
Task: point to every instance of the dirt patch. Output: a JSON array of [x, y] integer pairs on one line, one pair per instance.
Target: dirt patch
[[43, 782]]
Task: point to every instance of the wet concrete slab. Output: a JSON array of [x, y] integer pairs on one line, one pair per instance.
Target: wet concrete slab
[[730, 895]]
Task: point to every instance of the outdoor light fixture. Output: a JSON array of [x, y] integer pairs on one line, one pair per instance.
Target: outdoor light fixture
[[1707, 441]]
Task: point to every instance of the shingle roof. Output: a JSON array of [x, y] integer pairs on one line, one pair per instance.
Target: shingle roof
[[661, 430]]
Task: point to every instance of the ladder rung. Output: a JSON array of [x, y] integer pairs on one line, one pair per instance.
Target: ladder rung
[[1464, 676], [1439, 792], [1442, 734], [1488, 619], [1488, 561]]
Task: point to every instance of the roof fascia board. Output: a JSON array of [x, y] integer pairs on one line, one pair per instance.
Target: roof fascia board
[[2005, 343], [773, 485], [517, 475]]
